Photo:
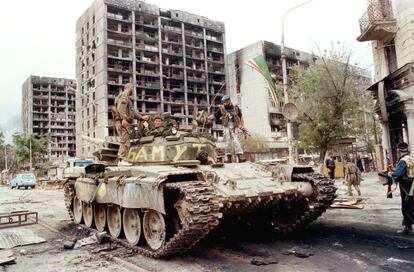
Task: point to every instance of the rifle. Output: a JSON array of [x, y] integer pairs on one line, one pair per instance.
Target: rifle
[[387, 180], [389, 190], [246, 134]]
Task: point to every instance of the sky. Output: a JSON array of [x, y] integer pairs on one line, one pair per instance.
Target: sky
[[38, 37]]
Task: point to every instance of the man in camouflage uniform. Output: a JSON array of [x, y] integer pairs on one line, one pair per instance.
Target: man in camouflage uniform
[[352, 177], [232, 119], [124, 115], [158, 128]]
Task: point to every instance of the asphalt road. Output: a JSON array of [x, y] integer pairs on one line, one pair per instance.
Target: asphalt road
[[341, 240]]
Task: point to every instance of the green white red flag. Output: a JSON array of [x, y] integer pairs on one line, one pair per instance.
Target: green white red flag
[[259, 64]]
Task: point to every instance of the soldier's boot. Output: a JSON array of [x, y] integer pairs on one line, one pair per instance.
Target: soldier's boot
[[229, 158], [406, 230], [240, 158]]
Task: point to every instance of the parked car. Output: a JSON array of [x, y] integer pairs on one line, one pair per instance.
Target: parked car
[[25, 180]]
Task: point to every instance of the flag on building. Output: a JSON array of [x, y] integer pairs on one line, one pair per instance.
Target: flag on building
[[259, 64]]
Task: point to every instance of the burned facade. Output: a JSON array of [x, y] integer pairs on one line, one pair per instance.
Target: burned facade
[[250, 90], [174, 59], [48, 108], [390, 28]]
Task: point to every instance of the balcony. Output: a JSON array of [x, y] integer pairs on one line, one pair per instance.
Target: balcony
[[118, 17], [119, 43], [377, 23]]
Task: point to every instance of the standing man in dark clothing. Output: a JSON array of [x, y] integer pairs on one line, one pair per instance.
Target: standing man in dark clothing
[[330, 165], [404, 175], [232, 119], [359, 164]]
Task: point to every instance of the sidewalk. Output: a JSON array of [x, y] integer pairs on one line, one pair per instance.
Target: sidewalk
[[379, 215]]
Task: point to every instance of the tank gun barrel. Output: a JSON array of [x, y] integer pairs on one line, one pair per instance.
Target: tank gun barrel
[[93, 140]]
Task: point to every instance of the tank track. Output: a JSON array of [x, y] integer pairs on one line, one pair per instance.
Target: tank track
[[202, 215], [69, 194], [324, 198]]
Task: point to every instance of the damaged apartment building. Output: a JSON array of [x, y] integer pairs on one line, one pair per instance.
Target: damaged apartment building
[[250, 90], [389, 26], [48, 108], [174, 59]]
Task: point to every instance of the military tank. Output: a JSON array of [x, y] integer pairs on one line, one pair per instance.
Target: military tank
[[175, 193]]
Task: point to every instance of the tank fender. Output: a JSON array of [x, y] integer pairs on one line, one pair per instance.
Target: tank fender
[[86, 189], [140, 192], [283, 172]]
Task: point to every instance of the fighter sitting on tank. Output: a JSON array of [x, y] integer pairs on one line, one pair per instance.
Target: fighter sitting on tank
[[157, 129], [156, 126]]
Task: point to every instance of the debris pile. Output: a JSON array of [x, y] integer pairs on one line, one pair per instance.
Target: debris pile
[[349, 203], [261, 261], [7, 257], [300, 251]]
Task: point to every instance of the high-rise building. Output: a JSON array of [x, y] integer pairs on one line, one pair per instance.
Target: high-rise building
[[174, 59], [48, 108], [250, 90]]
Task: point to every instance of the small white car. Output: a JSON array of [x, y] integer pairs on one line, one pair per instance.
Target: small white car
[[25, 180]]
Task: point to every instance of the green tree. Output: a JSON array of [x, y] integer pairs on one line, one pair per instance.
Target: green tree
[[21, 148], [326, 96], [365, 123]]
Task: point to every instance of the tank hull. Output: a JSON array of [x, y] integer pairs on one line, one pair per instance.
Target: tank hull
[[189, 202]]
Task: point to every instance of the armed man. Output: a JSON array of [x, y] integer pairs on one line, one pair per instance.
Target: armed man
[[232, 119], [404, 175], [124, 114]]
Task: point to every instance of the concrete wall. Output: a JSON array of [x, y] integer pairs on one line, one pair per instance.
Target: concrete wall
[[380, 62], [403, 11], [404, 38]]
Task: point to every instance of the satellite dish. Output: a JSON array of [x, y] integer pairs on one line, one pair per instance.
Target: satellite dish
[[290, 111]]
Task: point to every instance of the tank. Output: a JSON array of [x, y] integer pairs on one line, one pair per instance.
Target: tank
[[176, 191]]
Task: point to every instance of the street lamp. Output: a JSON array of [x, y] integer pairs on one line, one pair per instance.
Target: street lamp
[[285, 79]]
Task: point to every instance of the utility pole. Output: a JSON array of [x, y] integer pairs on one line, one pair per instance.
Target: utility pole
[[30, 153], [285, 81], [5, 156]]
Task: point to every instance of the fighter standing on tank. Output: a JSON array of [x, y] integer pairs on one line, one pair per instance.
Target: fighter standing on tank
[[232, 119], [124, 113], [404, 175]]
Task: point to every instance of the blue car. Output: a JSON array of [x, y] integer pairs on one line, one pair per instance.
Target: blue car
[[25, 180]]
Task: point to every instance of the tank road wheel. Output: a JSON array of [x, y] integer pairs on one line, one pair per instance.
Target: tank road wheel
[[286, 218], [154, 229], [99, 217], [131, 223], [77, 210], [114, 221], [87, 214]]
